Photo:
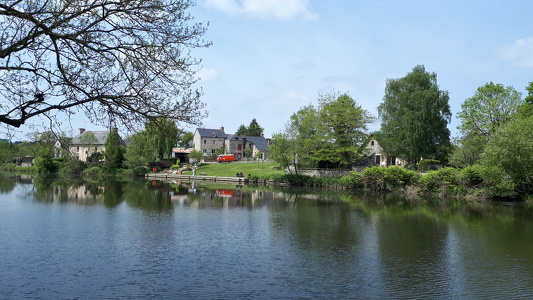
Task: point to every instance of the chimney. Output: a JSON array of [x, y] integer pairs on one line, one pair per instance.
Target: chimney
[[82, 130], [222, 128]]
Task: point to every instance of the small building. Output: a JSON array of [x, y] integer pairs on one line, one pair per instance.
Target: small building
[[24, 161], [181, 154], [238, 146], [376, 156], [209, 140], [88, 142]]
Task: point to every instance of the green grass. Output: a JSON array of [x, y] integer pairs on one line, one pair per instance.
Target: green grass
[[262, 170]]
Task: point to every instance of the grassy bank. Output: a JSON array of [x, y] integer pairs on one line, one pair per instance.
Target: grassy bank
[[263, 170]]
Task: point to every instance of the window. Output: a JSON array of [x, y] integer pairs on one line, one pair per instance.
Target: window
[[213, 151], [205, 141], [205, 152], [214, 142], [371, 143], [239, 147]]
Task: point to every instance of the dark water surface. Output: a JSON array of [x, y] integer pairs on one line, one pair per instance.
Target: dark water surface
[[150, 240]]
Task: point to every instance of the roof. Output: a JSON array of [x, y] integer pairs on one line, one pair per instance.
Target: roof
[[101, 136], [219, 133], [259, 142], [182, 150]]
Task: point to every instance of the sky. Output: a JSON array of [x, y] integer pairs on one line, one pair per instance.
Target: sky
[[270, 58]]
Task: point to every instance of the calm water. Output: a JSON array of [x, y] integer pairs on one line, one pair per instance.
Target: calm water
[[151, 240]]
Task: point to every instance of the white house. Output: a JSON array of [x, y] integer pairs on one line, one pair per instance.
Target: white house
[[376, 155], [87, 143]]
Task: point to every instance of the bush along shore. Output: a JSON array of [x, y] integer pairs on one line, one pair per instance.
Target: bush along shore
[[467, 183], [464, 183]]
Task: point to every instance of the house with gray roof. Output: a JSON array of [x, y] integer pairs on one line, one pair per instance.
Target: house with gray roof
[[87, 142], [209, 140]]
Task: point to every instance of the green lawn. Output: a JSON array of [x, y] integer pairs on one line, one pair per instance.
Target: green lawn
[[259, 169]]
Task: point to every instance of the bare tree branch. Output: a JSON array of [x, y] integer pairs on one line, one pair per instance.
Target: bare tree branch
[[126, 61]]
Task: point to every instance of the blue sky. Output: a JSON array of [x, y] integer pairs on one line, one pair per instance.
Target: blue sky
[[271, 57]]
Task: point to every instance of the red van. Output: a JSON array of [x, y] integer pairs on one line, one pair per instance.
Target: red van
[[225, 158]]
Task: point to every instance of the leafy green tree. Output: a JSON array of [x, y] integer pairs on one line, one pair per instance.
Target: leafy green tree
[[114, 150], [127, 61], [529, 97], [242, 131], [152, 144], [45, 164], [491, 106], [138, 151], [162, 135], [342, 124], [219, 151], [254, 129], [7, 152], [196, 155], [41, 143], [303, 132], [331, 134], [414, 117], [184, 138], [507, 162], [482, 114], [281, 150], [525, 110]]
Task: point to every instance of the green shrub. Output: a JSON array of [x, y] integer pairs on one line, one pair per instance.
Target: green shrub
[[427, 164], [73, 166], [93, 172], [46, 164], [297, 180], [388, 178], [472, 175], [499, 182], [352, 180], [445, 180], [175, 167], [373, 178], [398, 178]]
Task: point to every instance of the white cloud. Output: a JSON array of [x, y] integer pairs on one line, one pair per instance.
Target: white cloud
[[267, 9], [520, 52]]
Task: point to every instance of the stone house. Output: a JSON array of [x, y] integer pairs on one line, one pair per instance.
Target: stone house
[[209, 140], [376, 156], [238, 146], [87, 142]]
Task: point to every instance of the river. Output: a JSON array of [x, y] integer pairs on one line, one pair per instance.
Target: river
[[64, 239]]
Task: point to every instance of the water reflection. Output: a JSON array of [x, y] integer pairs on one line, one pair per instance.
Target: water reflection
[[152, 239]]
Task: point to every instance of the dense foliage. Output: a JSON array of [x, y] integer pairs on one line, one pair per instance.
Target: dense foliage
[[492, 106], [328, 135], [114, 150], [507, 160], [254, 129], [414, 118]]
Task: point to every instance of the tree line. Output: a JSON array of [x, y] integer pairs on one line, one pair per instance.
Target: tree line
[[72, 56], [495, 142]]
